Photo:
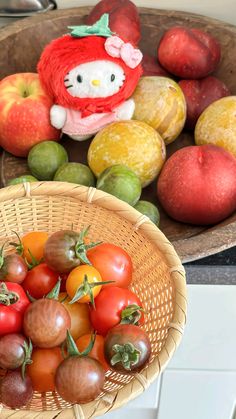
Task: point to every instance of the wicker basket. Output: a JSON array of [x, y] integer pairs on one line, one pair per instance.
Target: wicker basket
[[159, 278]]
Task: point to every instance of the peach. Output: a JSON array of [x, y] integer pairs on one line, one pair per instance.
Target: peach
[[189, 53], [123, 18], [199, 94], [197, 185], [160, 102]]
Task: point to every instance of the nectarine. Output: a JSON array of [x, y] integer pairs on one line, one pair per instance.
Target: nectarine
[[189, 53], [198, 185]]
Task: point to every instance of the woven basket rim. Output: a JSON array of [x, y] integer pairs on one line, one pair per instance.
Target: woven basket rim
[[142, 380]]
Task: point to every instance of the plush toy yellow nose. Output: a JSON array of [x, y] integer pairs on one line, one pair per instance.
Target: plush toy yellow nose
[[96, 82]]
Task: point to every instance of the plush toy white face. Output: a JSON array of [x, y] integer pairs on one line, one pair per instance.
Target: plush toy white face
[[95, 79]]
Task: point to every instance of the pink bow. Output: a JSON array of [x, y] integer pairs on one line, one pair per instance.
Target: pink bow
[[115, 47]]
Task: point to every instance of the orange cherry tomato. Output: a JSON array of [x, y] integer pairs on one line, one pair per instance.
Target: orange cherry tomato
[[79, 315], [35, 242], [98, 348], [77, 279], [42, 371]]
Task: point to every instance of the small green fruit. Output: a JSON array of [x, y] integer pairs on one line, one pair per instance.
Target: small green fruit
[[121, 182], [148, 209], [45, 158], [22, 179], [75, 173]]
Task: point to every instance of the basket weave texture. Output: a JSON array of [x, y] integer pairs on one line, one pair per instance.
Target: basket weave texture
[[159, 279]]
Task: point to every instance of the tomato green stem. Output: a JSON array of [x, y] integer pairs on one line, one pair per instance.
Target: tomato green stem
[[86, 289], [7, 297], [18, 246], [54, 293], [34, 261], [2, 255], [125, 354], [72, 348], [28, 347], [81, 248], [131, 314]]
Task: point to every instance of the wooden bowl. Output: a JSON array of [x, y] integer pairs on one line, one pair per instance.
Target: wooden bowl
[[158, 278], [20, 47]]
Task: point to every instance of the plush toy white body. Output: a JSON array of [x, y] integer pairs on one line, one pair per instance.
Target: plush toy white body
[[101, 78]]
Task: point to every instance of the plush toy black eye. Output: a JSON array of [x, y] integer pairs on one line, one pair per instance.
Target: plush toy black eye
[[113, 77], [79, 78]]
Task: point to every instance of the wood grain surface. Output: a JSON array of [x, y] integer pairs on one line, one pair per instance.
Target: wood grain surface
[[20, 47]]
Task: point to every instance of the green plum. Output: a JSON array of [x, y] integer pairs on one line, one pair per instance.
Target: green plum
[[45, 158], [75, 173], [22, 179], [148, 209], [121, 182]]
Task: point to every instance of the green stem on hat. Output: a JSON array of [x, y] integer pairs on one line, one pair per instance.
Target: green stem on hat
[[131, 314], [99, 28], [126, 354], [86, 289]]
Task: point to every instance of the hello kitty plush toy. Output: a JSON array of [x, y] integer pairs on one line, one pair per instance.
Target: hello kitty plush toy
[[90, 74]]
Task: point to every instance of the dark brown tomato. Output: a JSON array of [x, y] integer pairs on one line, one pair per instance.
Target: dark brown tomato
[[14, 391], [46, 322], [60, 251], [14, 269], [133, 341], [80, 379], [12, 352]]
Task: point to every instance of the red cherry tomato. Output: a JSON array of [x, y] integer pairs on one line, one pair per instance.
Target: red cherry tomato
[[10, 320], [15, 289], [40, 281], [13, 303], [109, 306], [113, 263], [98, 348]]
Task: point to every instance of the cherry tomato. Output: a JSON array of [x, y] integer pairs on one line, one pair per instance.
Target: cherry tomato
[[76, 279], [79, 379], [127, 348], [12, 352], [10, 320], [40, 281], [46, 322], [15, 392], [110, 304], [13, 303], [13, 269], [35, 242], [66, 249], [113, 263], [79, 316], [21, 300], [42, 371], [98, 349]]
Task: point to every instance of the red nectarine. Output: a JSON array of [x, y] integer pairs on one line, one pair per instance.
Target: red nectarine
[[197, 185], [188, 53], [199, 94]]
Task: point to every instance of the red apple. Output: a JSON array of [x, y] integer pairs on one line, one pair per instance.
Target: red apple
[[197, 185], [24, 114], [123, 18], [189, 53], [151, 67], [199, 94]]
